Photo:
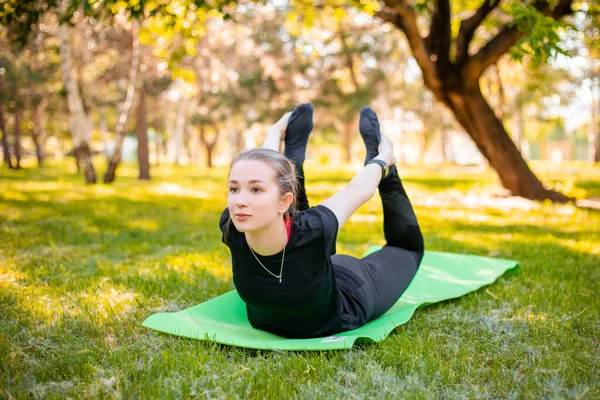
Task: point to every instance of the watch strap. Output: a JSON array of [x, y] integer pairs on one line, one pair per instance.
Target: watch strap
[[383, 164]]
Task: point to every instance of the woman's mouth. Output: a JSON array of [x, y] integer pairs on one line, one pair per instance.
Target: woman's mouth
[[242, 217]]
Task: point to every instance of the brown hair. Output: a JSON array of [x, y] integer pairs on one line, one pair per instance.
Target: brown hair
[[285, 177]]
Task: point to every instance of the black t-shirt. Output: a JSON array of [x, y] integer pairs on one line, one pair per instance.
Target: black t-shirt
[[305, 303]]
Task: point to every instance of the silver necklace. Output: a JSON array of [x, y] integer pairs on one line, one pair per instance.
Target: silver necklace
[[282, 258]]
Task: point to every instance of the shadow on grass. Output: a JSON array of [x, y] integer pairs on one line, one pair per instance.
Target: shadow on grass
[[592, 187], [531, 230], [153, 249]]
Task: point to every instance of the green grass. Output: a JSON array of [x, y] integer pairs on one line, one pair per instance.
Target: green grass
[[82, 266]]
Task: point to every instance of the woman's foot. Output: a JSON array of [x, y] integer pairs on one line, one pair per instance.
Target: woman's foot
[[298, 129], [370, 131]]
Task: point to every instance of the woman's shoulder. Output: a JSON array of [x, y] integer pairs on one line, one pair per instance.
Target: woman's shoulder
[[314, 217], [319, 224]]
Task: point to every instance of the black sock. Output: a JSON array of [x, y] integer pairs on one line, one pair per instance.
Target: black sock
[[370, 131], [299, 127]]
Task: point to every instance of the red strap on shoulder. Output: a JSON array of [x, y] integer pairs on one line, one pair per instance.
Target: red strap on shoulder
[[288, 226]]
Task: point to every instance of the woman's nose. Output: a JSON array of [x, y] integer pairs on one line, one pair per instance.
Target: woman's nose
[[241, 199]]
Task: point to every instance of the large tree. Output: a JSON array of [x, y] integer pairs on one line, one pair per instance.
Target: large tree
[[452, 70]]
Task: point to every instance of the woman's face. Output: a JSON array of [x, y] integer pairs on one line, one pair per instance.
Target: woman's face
[[254, 200]]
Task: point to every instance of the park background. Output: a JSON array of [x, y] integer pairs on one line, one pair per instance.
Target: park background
[[119, 120]]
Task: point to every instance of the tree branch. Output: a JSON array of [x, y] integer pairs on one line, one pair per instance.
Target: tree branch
[[349, 60], [560, 10], [438, 39], [507, 37], [492, 51], [469, 26], [404, 17]]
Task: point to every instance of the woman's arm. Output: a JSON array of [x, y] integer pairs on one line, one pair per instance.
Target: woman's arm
[[276, 132], [369, 177], [361, 188]]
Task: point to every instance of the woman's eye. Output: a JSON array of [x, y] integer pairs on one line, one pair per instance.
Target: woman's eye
[[254, 190]]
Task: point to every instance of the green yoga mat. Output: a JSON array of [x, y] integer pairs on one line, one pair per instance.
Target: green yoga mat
[[441, 276]]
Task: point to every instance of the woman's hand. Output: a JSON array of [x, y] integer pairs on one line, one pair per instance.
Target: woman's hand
[[281, 125], [276, 133], [386, 150]]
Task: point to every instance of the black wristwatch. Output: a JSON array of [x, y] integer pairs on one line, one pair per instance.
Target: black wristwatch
[[383, 164]]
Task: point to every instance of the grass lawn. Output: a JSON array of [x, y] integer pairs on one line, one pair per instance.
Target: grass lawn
[[82, 266]]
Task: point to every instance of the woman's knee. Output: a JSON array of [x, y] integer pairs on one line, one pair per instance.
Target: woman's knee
[[411, 240], [418, 256], [415, 238]]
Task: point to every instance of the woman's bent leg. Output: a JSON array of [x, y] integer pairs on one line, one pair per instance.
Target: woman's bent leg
[[296, 137], [391, 270], [400, 226], [371, 285], [368, 287]]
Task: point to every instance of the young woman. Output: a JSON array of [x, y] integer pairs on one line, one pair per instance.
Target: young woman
[[283, 252]]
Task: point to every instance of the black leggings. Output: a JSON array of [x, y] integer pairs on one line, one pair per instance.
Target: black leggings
[[369, 286]]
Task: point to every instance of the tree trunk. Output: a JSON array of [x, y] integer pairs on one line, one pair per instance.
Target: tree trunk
[[179, 130], [597, 151], [444, 145], [209, 155], [501, 100], [481, 123], [158, 145], [18, 110], [188, 146], [346, 128], [208, 145], [518, 137], [349, 60], [239, 143], [166, 140], [62, 146], [169, 142], [141, 131], [202, 141], [424, 145], [3, 131], [236, 138], [39, 132], [17, 130], [78, 119], [348, 141], [115, 158], [594, 130], [103, 129]]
